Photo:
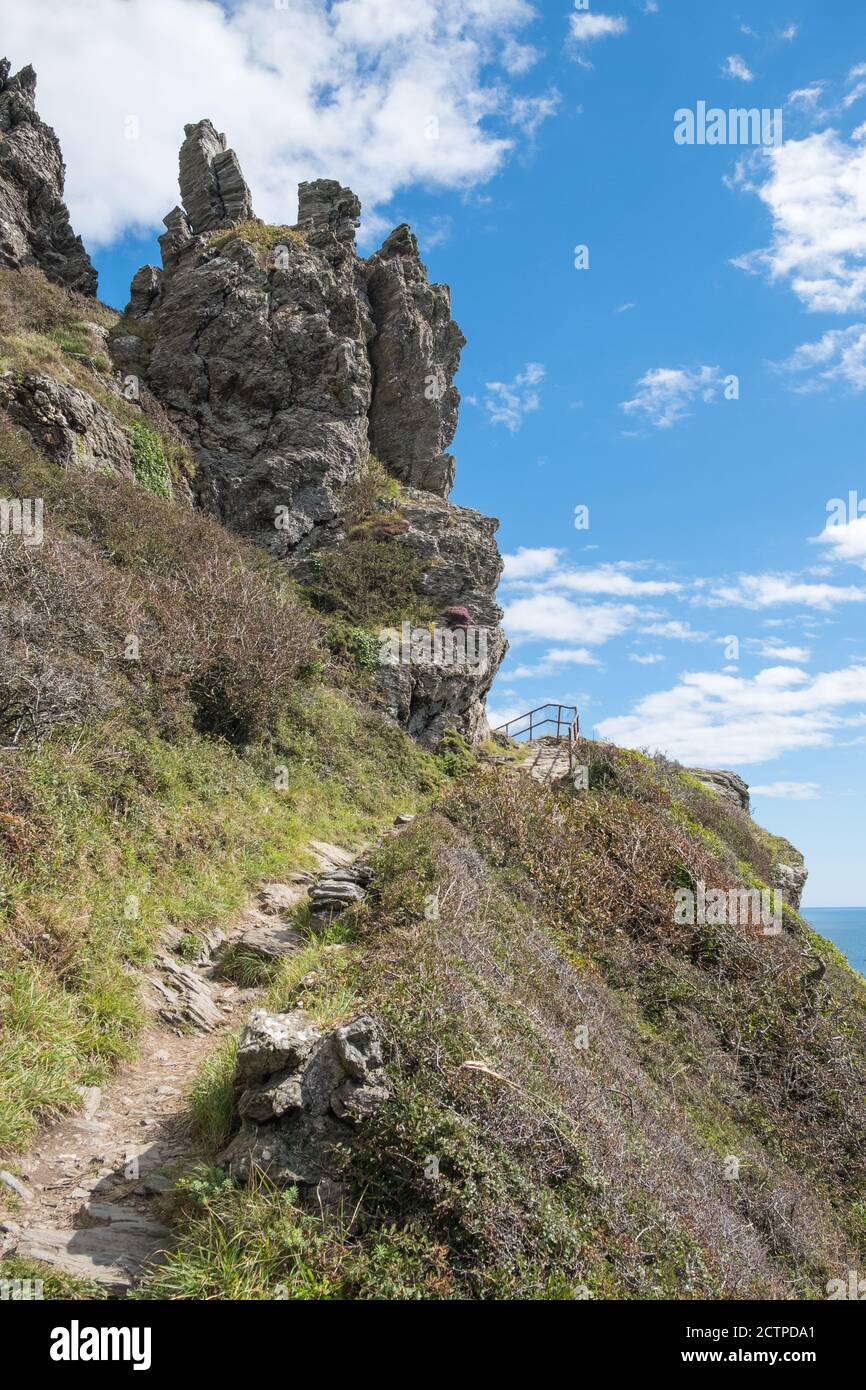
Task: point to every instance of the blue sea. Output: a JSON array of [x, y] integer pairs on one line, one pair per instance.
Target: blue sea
[[845, 927]]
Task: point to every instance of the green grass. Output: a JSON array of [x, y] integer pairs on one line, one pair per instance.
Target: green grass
[[211, 1098], [263, 236], [149, 461], [128, 834], [565, 1172], [56, 1285]]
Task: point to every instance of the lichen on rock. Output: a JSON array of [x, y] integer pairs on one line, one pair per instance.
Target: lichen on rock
[[300, 1094]]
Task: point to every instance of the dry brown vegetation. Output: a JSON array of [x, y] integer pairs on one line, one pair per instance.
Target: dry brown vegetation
[[561, 1170], [132, 601]]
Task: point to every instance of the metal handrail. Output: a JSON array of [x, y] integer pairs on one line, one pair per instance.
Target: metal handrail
[[571, 725]]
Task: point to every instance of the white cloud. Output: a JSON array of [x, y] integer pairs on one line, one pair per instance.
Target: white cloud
[[650, 659], [553, 661], [807, 97], [735, 66], [586, 26], [614, 580], [847, 540], [508, 401], [789, 791], [789, 33], [720, 720], [677, 631], [780, 651], [665, 393], [768, 590], [528, 113], [348, 90], [815, 190], [518, 58], [554, 618], [838, 356], [528, 562]]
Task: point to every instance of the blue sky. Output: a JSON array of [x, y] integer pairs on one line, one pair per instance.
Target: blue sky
[[602, 387]]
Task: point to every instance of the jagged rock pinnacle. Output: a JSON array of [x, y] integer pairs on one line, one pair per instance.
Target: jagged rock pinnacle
[[212, 187], [34, 221], [325, 203], [285, 360]]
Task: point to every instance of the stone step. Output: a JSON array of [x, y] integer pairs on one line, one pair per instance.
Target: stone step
[[112, 1250]]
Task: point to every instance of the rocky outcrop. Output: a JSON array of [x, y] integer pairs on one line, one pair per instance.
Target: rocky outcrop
[[415, 354], [790, 874], [285, 359], [66, 424], [725, 784], [300, 1095], [325, 205], [34, 221], [212, 187]]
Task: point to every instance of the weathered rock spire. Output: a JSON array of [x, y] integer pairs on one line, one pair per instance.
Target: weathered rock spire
[[286, 360], [212, 188], [34, 221]]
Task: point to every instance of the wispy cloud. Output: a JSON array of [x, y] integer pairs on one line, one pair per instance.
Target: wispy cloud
[[778, 650], [508, 402], [553, 661], [518, 58], [838, 356], [527, 563], [813, 190], [807, 97], [554, 617], [355, 84], [665, 394], [528, 113], [770, 590], [737, 67], [789, 791], [586, 26], [725, 720], [847, 540]]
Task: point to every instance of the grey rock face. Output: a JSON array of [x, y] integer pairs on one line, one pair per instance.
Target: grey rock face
[[429, 700], [264, 368], [34, 221], [284, 366], [457, 547], [359, 1048], [274, 1043], [790, 876], [292, 1122], [415, 354], [66, 424], [212, 186], [725, 784], [324, 204], [790, 873]]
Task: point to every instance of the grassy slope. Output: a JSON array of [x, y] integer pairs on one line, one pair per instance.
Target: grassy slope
[[134, 794], [156, 782], [567, 1171]]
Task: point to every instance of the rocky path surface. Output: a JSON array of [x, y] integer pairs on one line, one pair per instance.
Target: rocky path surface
[[547, 760], [84, 1199]]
